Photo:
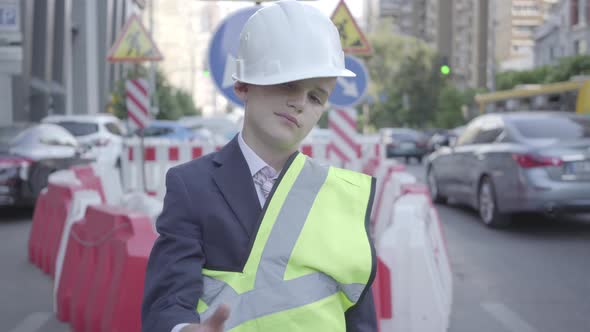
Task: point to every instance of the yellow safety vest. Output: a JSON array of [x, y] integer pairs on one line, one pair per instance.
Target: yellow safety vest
[[312, 258]]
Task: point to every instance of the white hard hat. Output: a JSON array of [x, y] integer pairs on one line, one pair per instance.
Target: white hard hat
[[289, 41]]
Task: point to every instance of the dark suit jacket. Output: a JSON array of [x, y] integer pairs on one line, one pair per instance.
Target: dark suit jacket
[[210, 217]]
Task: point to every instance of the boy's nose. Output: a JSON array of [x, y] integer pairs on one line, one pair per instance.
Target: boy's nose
[[297, 101]]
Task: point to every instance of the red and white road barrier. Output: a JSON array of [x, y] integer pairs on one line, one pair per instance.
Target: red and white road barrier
[[158, 157], [161, 155], [138, 102], [414, 280], [345, 149]]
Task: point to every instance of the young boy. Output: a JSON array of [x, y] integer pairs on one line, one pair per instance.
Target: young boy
[[258, 237]]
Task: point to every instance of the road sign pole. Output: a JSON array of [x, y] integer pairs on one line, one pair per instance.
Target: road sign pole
[[142, 160], [154, 107]]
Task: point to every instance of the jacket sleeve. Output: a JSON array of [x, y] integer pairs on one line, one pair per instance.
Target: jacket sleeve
[[362, 317], [173, 281]]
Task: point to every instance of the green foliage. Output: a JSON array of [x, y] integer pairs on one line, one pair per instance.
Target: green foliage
[[567, 67], [173, 103], [405, 81], [450, 103]]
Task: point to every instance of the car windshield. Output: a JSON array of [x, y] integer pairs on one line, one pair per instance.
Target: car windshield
[[553, 127], [77, 128], [156, 131], [407, 135]]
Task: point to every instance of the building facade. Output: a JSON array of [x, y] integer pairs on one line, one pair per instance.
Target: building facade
[[515, 24], [470, 42], [407, 17], [11, 55], [566, 32], [63, 67]]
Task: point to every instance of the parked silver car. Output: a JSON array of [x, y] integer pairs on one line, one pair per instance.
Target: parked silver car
[[517, 162]]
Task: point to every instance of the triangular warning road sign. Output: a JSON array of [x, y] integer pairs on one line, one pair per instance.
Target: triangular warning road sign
[[134, 44], [352, 38]]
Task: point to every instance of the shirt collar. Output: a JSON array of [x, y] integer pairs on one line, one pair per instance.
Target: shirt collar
[[255, 163]]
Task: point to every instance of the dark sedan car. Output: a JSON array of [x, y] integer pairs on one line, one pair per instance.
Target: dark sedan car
[[516, 162], [404, 142], [28, 154]]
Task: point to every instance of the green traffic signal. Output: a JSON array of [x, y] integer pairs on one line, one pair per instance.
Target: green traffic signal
[[205, 73], [445, 70]]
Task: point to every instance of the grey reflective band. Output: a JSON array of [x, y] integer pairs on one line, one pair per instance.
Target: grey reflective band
[[289, 223], [268, 295]]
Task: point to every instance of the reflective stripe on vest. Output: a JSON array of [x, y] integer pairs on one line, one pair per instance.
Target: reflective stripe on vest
[[284, 218]]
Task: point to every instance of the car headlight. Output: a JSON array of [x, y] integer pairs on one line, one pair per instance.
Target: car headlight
[[8, 171], [23, 171]]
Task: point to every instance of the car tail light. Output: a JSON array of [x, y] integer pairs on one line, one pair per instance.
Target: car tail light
[[531, 161], [421, 144]]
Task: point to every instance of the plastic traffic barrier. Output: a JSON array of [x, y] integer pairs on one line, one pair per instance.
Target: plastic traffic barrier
[[89, 179], [101, 282], [413, 248], [44, 214], [102, 224], [122, 311], [60, 197], [81, 200], [70, 270], [51, 212]]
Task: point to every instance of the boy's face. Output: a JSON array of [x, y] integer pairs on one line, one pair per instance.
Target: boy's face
[[282, 115]]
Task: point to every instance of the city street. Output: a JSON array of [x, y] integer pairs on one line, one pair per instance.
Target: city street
[[531, 277]]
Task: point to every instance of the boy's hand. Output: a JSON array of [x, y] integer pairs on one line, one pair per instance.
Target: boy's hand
[[213, 324]]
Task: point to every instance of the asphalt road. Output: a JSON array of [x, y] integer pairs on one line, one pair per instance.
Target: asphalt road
[[26, 292], [531, 277]]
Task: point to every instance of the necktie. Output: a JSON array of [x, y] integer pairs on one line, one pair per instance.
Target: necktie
[[265, 180]]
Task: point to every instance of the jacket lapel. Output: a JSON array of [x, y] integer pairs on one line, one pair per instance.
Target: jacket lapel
[[232, 177]]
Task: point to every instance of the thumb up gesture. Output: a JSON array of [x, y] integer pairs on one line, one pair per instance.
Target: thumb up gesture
[[213, 324]]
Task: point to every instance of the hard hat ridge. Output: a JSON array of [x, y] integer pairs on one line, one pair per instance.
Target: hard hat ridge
[[289, 41]]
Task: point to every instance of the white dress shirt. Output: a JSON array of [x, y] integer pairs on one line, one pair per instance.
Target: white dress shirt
[[255, 164]]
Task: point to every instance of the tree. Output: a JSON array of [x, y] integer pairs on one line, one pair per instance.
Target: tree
[[173, 103], [567, 68], [405, 80]]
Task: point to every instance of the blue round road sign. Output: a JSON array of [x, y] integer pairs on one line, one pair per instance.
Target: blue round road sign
[[223, 50], [350, 91]]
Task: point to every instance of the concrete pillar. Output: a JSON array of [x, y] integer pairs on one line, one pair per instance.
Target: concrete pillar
[[6, 97], [92, 76]]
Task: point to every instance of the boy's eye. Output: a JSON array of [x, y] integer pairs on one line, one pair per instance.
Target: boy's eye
[[315, 99]]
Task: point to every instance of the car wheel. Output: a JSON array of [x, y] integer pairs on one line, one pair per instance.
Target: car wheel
[[434, 188], [487, 207], [38, 178]]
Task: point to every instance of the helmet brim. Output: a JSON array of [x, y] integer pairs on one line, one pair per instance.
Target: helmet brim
[[291, 77]]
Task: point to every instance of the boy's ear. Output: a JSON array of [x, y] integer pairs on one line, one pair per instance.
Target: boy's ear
[[241, 90]]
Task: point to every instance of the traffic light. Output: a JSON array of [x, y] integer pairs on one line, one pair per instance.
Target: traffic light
[[444, 67]]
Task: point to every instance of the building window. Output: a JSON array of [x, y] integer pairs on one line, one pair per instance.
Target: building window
[[574, 9], [580, 46]]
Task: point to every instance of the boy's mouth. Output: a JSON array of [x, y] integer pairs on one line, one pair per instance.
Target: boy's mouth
[[289, 117]]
